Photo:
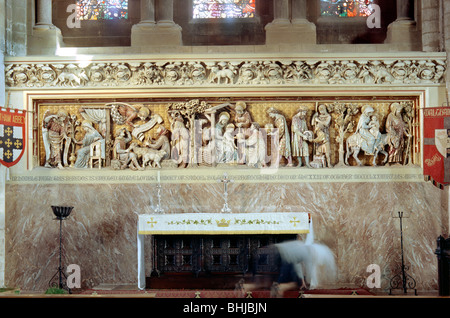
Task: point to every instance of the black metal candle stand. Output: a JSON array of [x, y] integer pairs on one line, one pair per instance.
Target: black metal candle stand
[[60, 278], [402, 280]]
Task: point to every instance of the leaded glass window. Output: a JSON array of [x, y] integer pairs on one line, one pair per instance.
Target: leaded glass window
[[102, 9], [345, 8], [212, 9]]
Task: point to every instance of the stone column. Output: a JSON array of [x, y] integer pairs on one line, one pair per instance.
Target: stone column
[[281, 11], [157, 27], [147, 12], [403, 9], [146, 27], [44, 14], [306, 31], [164, 13], [431, 25], [46, 38], [290, 25], [298, 11], [402, 33]]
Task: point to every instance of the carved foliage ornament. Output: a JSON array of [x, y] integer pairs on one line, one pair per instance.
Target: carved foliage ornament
[[252, 72]]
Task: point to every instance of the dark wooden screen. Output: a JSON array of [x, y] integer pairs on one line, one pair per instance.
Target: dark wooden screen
[[217, 253]]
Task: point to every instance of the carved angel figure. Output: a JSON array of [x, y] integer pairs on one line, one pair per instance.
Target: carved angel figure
[[125, 114]]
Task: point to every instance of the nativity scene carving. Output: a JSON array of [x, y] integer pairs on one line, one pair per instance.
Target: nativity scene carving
[[241, 133]]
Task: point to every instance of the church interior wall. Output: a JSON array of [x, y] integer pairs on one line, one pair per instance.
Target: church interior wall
[[353, 208], [100, 235]]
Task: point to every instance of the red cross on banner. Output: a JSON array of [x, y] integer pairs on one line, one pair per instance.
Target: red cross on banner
[[436, 145], [12, 136]]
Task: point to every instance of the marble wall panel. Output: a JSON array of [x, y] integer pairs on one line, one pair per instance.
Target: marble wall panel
[[356, 220]]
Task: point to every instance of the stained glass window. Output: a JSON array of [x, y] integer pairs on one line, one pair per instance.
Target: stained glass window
[[102, 9], [210, 9], [345, 8]]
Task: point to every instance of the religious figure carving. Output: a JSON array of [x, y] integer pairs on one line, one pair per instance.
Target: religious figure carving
[[229, 152], [91, 135], [213, 151], [55, 133], [367, 137], [139, 130], [161, 143], [224, 118], [97, 116], [321, 121], [242, 121], [396, 130], [343, 125], [256, 147], [123, 157], [300, 137], [125, 114], [226, 134], [180, 139], [365, 129], [284, 140], [408, 118]]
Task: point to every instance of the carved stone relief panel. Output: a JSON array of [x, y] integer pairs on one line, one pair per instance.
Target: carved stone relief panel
[[250, 133]]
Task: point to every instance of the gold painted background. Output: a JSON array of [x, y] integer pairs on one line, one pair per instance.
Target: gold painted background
[[257, 109]]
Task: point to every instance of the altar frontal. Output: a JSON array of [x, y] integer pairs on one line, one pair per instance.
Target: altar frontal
[[220, 223]]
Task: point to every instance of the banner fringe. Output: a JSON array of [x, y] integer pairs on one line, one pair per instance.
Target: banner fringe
[[435, 183]]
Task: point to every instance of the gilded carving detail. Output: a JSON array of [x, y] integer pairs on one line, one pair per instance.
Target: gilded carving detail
[[252, 134]]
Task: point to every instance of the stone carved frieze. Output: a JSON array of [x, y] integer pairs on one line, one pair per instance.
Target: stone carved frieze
[[226, 72], [229, 134]]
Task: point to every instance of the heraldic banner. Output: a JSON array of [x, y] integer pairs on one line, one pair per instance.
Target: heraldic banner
[[12, 136], [436, 147]]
